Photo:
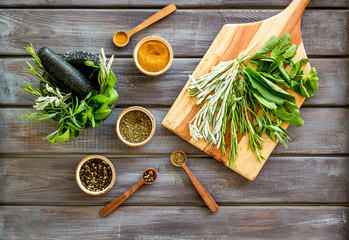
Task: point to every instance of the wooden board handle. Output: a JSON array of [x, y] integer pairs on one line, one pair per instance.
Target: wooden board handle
[[210, 202], [154, 18], [295, 7], [110, 207]]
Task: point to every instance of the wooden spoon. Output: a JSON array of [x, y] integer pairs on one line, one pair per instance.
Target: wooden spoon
[[121, 38], [110, 207], [210, 202]]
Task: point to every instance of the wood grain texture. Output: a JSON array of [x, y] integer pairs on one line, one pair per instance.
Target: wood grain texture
[[158, 4], [66, 30], [174, 223], [136, 88], [289, 180], [325, 132]]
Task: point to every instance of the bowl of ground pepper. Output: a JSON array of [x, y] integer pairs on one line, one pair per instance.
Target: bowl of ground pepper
[[95, 175], [135, 126], [153, 56]]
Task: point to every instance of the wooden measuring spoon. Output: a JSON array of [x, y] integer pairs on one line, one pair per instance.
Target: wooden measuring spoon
[[210, 202], [110, 207], [121, 38]]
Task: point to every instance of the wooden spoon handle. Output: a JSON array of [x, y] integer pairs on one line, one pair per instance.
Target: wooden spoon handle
[[210, 202], [110, 207], [156, 17]]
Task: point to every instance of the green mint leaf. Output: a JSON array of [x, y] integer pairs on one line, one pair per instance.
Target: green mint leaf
[[282, 45]]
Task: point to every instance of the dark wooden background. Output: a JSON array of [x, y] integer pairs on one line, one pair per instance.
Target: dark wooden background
[[301, 193]]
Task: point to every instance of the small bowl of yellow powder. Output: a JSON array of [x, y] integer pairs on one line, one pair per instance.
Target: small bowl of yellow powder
[[153, 56]]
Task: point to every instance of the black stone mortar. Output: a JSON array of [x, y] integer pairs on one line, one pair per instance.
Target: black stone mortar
[[77, 59]]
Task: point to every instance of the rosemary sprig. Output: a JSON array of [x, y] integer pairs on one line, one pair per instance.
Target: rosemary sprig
[[38, 69]]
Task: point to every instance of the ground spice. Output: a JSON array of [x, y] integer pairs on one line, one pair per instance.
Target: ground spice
[[149, 176], [120, 38], [95, 175], [135, 126], [153, 56], [178, 158]]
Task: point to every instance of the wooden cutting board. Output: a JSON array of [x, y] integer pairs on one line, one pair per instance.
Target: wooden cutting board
[[230, 41]]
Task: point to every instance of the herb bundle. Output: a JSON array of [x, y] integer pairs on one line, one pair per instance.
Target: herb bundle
[[242, 101], [71, 113]]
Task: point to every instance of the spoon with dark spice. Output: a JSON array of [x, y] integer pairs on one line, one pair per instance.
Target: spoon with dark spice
[[179, 159], [149, 176]]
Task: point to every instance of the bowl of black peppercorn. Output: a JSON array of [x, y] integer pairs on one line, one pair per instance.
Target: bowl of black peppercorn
[[95, 175]]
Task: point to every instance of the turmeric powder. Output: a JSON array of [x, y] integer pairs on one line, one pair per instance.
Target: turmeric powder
[[120, 38], [153, 56]]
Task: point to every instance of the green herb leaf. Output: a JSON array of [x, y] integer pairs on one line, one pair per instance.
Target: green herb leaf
[[48, 116], [91, 64], [100, 99], [267, 47], [112, 79], [277, 61], [295, 70], [64, 137], [111, 93], [291, 52], [102, 115], [289, 117], [282, 45], [263, 101]]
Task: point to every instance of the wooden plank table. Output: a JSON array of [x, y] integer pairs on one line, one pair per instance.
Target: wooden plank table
[[301, 193]]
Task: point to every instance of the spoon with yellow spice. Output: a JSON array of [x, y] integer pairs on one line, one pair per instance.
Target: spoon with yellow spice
[[121, 38]]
